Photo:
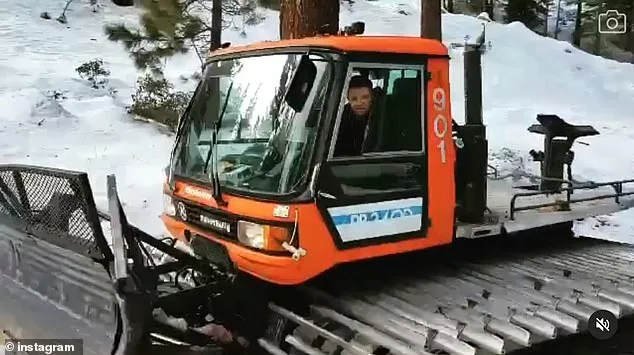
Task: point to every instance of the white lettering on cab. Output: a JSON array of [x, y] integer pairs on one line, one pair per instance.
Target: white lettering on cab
[[441, 125]]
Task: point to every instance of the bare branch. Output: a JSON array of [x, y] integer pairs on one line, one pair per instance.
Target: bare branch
[[62, 17], [200, 57]]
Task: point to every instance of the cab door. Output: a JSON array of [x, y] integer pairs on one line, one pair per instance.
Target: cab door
[[379, 195]]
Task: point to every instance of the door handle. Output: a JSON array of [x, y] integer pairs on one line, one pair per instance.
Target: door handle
[[326, 195]]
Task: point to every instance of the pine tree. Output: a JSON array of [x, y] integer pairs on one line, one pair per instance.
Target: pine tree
[[577, 34], [589, 23], [270, 4], [170, 27], [449, 5], [529, 12]]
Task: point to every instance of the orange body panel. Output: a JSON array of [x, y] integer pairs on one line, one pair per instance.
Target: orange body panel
[[314, 234], [441, 154], [380, 44]]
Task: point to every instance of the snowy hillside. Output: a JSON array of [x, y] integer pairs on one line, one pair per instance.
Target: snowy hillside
[[89, 130]]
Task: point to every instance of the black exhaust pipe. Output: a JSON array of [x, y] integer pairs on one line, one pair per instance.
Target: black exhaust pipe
[[471, 177]]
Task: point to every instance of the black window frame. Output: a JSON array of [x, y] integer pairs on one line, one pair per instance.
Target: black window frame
[[392, 65]]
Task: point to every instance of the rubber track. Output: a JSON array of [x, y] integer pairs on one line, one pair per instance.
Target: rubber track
[[496, 305]]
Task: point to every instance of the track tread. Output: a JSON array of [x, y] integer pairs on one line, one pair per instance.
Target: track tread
[[496, 306]]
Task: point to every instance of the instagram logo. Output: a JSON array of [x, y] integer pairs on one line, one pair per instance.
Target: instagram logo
[[612, 21]]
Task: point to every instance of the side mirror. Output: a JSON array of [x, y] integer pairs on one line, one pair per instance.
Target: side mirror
[[301, 84]]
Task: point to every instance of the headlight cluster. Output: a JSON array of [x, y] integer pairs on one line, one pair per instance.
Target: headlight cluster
[[254, 235], [263, 236]]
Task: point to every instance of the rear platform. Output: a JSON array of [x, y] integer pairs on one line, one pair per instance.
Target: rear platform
[[513, 207], [510, 206]]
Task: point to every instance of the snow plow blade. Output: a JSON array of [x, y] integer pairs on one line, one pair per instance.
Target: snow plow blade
[[52, 258], [59, 277]]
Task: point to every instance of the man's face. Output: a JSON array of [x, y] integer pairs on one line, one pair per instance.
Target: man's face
[[360, 100]]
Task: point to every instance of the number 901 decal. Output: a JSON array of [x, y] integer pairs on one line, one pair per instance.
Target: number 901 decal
[[441, 125]]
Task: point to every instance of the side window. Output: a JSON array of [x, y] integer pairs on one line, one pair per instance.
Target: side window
[[382, 112], [395, 74]]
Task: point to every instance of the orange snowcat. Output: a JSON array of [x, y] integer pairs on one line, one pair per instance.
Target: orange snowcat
[[410, 244]]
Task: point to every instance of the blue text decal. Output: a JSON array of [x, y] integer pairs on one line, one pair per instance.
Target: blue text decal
[[378, 215]]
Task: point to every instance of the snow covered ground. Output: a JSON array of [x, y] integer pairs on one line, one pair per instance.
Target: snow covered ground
[[88, 129]]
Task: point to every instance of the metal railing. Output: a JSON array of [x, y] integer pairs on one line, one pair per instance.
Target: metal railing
[[616, 185]]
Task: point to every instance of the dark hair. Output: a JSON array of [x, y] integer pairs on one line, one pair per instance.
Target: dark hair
[[359, 81]]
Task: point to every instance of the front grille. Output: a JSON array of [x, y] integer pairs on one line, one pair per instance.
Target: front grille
[[212, 221]]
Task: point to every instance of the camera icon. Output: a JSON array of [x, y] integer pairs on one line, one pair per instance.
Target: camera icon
[[612, 21]]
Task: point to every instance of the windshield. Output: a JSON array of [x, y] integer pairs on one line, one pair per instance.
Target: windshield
[[262, 144]]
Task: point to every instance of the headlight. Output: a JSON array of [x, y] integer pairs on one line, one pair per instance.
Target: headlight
[[263, 236], [251, 234], [168, 205]]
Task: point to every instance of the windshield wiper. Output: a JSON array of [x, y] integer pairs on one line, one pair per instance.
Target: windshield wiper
[[214, 177]]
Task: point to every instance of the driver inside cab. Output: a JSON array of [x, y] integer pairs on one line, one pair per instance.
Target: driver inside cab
[[357, 114]]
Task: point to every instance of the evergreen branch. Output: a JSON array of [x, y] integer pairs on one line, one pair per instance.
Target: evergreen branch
[[188, 4], [205, 6], [170, 27]]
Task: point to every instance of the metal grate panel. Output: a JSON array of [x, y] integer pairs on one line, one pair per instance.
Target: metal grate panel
[[54, 205]]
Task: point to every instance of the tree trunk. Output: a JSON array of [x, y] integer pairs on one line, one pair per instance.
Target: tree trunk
[[596, 45], [557, 19], [576, 37], [450, 7], [306, 18], [629, 44], [430, 19], [546, 19], [489, 9], [216, 25]]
